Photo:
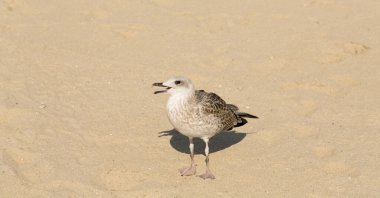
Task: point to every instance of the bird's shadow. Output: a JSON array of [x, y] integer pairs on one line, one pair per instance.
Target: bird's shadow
[[219, 142]]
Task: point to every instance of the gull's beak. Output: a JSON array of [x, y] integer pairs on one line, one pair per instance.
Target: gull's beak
[[160, 85]]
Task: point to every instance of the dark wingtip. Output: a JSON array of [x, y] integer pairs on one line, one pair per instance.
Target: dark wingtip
[[243, 122], [247, 115], [255, 117]]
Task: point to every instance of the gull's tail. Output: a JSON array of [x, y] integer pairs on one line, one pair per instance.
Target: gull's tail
[[246, 115], [240, 116]]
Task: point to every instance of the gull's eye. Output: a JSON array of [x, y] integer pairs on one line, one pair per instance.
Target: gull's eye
[[177, 82]]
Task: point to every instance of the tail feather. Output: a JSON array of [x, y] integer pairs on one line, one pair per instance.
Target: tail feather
[[233, 107], [246, 115], [240, 116], [241, 122]]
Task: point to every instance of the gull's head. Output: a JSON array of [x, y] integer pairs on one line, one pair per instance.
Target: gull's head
[[176, 85]]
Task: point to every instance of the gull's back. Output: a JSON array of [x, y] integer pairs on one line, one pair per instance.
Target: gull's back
[[204, 114], [211, 105]]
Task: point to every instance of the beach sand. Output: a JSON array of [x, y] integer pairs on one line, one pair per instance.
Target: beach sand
[[78, 117]]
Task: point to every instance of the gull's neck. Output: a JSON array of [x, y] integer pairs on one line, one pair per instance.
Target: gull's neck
[[180, 98]]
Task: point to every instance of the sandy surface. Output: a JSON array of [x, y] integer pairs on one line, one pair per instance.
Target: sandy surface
[[78, 117]]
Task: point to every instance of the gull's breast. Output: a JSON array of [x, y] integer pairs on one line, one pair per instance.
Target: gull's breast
[[187, 118]]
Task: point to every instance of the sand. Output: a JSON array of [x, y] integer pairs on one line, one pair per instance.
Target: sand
[[78, 117]]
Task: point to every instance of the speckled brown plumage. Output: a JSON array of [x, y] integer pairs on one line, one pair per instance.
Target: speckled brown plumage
[[199, 114], [210, 104]]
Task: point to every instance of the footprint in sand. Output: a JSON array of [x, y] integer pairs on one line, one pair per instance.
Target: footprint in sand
[[304, 94], [304, 131], [14, 160], [269, 137], [337, 168], [8, 114], [20, 6], [336, 86], [340, 51], [164, 3], [129, 32], [308, 106], [324, 151], [120, 178], [320, 2]]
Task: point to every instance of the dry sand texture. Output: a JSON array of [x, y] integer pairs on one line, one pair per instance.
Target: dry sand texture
[[78, 117]]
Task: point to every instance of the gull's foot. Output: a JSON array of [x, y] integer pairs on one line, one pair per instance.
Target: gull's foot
[[207, 175], [188, 171]]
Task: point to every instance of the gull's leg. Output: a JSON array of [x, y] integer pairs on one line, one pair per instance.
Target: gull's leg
[[208, 174], [188, 171]]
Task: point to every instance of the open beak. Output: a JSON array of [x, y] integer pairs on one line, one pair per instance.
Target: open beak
[[160, 85]]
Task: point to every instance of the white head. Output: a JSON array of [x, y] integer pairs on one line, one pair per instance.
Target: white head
[[176, 85]]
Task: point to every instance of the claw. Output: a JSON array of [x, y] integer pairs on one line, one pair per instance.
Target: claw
[[188, 171], [207, 175]]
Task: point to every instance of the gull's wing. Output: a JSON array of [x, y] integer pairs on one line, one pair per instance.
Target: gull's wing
[[211, 104]]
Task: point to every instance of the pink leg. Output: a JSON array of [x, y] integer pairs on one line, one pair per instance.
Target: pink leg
[[188, 171], [208, 174]]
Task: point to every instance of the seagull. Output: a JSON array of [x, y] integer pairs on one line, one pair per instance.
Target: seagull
[[199, 114]]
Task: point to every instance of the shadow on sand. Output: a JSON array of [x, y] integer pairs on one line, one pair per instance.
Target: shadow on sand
[[219, 142]]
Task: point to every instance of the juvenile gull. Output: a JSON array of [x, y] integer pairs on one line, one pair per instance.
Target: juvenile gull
[[199, 114]]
